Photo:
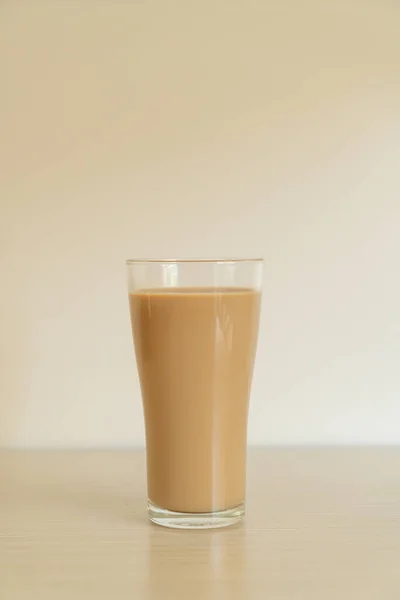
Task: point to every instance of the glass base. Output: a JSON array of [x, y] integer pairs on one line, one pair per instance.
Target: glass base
[[180, 520]]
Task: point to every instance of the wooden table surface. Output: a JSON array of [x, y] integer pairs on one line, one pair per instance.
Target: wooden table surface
[[321, 524]]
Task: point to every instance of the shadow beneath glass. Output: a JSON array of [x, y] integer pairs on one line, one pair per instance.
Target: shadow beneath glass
[[197, 564]]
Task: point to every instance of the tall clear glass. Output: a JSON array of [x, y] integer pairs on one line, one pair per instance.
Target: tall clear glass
[[195, 329]]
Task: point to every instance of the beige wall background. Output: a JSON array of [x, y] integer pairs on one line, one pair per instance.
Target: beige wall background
[[188, 128]]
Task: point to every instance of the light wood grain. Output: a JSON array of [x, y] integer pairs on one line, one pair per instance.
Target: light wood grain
[[321, 524]]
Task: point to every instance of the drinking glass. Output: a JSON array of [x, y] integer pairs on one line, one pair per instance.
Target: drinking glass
[[195, 328]]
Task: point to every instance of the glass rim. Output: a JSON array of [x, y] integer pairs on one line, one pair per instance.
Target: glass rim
[[176, 261]]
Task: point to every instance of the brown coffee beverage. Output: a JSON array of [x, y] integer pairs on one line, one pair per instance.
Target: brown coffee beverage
[[195, 350]]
